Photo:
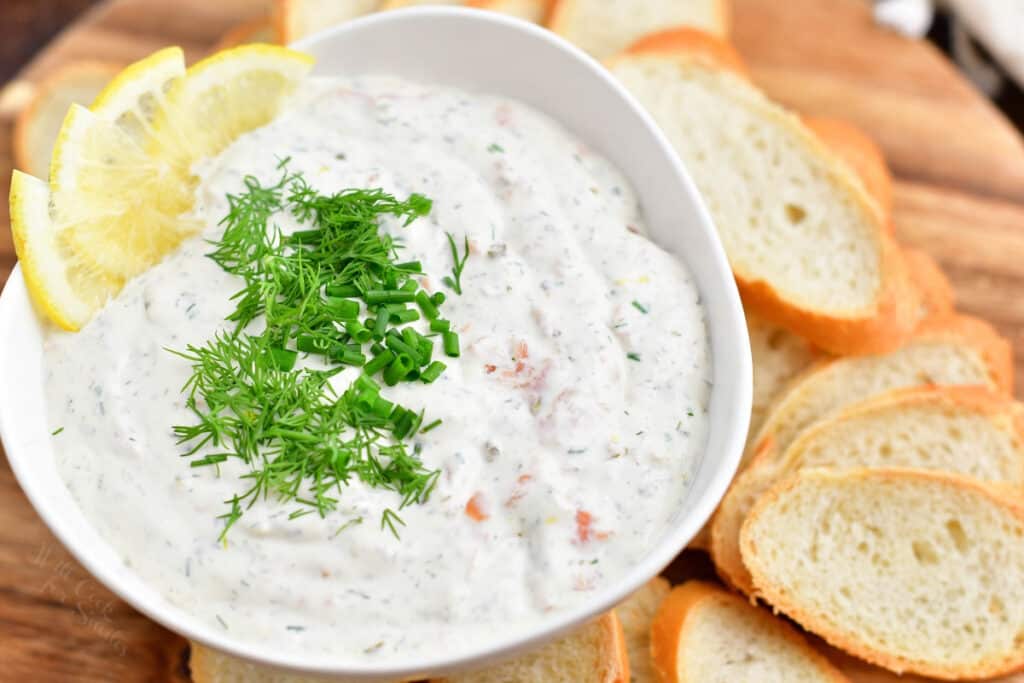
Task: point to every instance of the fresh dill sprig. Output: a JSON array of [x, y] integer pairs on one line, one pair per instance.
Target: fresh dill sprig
[[327, 290], [456, 282]]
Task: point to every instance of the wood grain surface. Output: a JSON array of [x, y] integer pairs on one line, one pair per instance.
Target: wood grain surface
[[959, 195]]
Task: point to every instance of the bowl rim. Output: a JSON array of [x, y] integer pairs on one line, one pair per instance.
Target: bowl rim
[[660, 555]]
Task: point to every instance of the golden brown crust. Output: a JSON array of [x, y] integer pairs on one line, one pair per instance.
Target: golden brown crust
[[692, 42], [23, 124], [937, 296], [618, 669], [860, 153], [671, 626], [894, 315], [884, 329], [547, 6], [1009, 499], [260, 29], [995, 349]]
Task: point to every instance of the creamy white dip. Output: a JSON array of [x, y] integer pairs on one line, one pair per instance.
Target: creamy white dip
[[573, 419]]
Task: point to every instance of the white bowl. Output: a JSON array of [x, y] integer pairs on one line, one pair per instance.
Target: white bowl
[[478, 51]]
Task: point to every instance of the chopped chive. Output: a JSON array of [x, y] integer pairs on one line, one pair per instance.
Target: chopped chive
[[430, 311], [438, 298], [410, 267], [56, 431], [405, 315], [632, 355], [345, 355], [365, 382], [365, 399], [432, 372], [357, 331], [436, 423], [376, 348], [410, 286], [451, 344], [345, 309], [440, 325], [342, 290], [307, 343], [374, 297], [494, 147], [381, 325], [398, 369], [380, 361], [283, 359], [382, 407], [397, 344], [639, 306], [426, 349]]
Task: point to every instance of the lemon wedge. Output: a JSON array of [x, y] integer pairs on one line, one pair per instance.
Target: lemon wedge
[[224, 96], [63, 287], [121, 187], [133, 98]]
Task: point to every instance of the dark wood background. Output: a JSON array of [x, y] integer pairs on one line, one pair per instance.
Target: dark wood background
[[959, 194]]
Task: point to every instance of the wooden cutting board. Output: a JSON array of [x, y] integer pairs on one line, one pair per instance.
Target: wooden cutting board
[[959, 195]]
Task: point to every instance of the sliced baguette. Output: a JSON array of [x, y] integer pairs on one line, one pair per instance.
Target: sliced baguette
[[807, 245], [953, 350], [911, 570], [604, 28], [703, 634], [536, 11], [258, 30], [636, 615], [295, 19], [38, 124], [778, 357], [595, 652], [936, 292], [861, 154]]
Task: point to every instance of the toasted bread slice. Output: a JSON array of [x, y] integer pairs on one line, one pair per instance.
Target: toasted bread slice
[[636, 615], [936, 292], [911, 570], [536, 11], [258, 30], [954, 350], [595, 652], [861, 154], [39, 122], [778, 357], [807, 245], [703, 634], [294, 19], [605, 28]]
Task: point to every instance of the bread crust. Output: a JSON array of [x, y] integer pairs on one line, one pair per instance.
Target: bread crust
[[781, 600], [244, 32], [892, 317], [547, 6], [937, 296], [26, 117], [855, 148], [672, 625], [724, 548]]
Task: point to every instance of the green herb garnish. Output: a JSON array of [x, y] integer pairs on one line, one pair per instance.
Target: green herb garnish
[[331, 292], [639, 306], [494, 147], [632, 355], [456, 282], [56, 431]]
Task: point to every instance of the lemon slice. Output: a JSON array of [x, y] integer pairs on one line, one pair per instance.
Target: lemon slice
[[63, 287], [224, 96], [115, 205], [121, 186], [134, 97]]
